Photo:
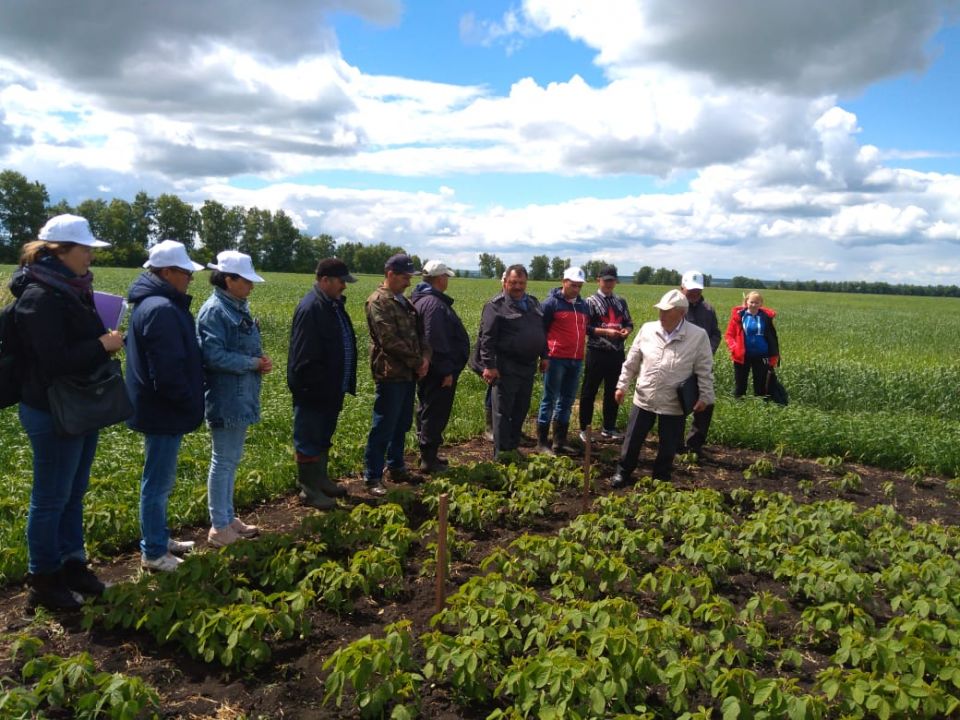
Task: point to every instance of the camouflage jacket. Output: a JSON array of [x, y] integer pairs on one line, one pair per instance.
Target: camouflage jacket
[[397, 342]]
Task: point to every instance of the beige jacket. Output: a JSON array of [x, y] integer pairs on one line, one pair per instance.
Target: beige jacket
[[663, 366]]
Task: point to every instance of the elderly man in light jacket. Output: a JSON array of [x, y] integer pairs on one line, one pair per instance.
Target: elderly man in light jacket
[[664, 354]]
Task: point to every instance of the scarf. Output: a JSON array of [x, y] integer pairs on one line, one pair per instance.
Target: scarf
[[53, 273]]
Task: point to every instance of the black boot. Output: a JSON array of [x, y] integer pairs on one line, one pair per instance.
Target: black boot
[[429, 461], [328, 486], [560, 445], [543, 439], [79, 578], [308, 477], [49, 590], [620, 479], [488, 424]]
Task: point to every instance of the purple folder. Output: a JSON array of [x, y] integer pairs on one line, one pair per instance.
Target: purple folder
[[110, 308]]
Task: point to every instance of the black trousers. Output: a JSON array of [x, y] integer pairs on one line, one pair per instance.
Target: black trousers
[[600, 366], [698, 429], [639, 425], [740, 372], [511, 403], [434, 404]]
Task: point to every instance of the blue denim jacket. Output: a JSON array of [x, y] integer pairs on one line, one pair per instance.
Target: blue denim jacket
[[230, 342]]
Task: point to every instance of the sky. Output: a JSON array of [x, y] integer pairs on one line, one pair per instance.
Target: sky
[[769, 138]]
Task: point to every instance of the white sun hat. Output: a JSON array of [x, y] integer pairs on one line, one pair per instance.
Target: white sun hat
[[236, 263], [171, 253], [70, 229], [692, 280], [436, 268]]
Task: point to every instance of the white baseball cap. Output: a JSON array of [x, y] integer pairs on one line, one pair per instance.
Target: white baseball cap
[[171, 253], [436, 268], [692, 280], [574, 274], [236, 263], [672, 299], [70, 229]]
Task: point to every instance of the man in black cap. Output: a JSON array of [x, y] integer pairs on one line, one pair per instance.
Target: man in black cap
[[610, 324], [399, 356], [321, 369]]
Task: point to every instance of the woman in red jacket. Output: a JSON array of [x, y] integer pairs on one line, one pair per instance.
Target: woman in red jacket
[[753, 344]]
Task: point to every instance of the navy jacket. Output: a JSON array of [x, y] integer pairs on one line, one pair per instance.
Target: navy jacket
[[164, 364], [315, 363], [443, 328], [59, 335]]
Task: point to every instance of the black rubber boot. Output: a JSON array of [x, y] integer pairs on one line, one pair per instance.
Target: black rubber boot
[[429, 461], [488, 424], [49, 590], [78, 577], [543, 439], [308, 477], [560, 445], [326, 485]]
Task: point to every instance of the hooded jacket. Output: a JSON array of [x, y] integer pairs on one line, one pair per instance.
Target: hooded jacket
[[565, 322], [737, 342], [443, 330], [164, 363], [59, 335]]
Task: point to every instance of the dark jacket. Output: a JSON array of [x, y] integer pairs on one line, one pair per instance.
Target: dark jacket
[[565, 322], [703, 315], [59, 335], [443, 329], [315, 363], [607, 311], [164, 363], [511, 339], [737, 342]]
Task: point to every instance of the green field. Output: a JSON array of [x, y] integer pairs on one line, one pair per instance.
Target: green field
[[870, 377]]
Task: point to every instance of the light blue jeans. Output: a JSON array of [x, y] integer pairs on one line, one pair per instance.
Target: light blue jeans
[[560, 384], [156, 484], [61, 474], [227, 452]]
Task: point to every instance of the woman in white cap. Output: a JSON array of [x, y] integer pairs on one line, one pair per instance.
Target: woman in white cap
[[60, 334], [233, 362]]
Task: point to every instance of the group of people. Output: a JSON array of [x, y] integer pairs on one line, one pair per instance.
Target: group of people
[[181, 371]]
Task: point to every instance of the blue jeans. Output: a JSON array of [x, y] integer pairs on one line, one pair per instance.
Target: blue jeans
[[313, 427], [61, 474], [156, 484], [392, 417], [559, 390], [227, 451]]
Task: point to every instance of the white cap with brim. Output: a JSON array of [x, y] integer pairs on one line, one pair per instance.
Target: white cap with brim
[[171, 253], [673, 299], [236, 263], [70, 229], [574, 274], [692, 280], [436, 268]]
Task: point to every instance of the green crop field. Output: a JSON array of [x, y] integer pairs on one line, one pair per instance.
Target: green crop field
[[870, 377]]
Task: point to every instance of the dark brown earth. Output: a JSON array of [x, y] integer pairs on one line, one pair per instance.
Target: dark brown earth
[[292, 687]]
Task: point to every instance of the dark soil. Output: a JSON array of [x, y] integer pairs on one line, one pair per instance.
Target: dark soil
[[292, 686]]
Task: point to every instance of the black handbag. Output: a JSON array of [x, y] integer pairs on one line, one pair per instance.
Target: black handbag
[[81, 404], [775, 389], [689, 393]]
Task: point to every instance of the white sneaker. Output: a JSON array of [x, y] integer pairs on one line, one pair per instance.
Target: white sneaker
[[180, 547], [222, 537], [244, 530], [164, 563], [583, 436], [615, 435]]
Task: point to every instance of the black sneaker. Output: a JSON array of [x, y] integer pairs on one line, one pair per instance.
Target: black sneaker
[[376, 488], [79, 577], [49, 590]]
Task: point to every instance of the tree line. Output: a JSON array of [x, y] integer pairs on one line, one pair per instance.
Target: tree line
[[848, 286]]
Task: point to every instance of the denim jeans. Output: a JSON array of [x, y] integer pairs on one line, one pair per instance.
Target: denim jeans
[[559, 390], [156, 484], [61, 474], [392, 417], [224, 459], [313, 427]]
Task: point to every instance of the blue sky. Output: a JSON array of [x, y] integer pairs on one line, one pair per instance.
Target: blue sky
[[770, 139]]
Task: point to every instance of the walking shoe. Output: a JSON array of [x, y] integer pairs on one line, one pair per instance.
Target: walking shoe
[[398, 474], [614, 435], [583, 436], [244, 530], [50, 591], [619, 480], [180, 547], [164, 563], [221, 537], [376, 488], [79, 578]]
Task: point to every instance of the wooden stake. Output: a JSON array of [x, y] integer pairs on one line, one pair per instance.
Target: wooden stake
[[442, 554], [588, 441]]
